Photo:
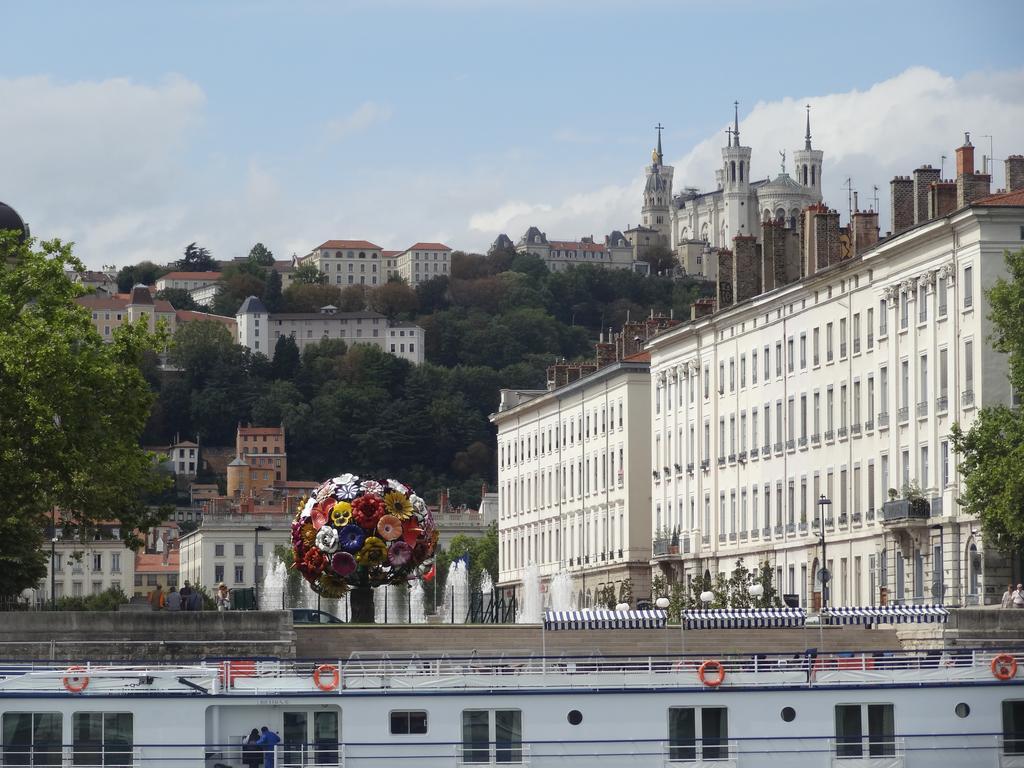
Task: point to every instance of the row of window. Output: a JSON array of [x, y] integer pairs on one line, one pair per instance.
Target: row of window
[[602, 538], [575, 479], [569, 433], [96, 561]]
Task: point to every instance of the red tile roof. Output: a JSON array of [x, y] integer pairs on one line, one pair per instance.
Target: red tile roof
[[155, 563], [1003, 199], [639, 357], [364, 244], [187, 316], [211, 276], [428, 247], [389, 254]]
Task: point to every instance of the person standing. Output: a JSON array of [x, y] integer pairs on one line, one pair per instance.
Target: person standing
[[1007, 601], [186, 596], [268, 740], [173, 600], [252, 752], [156, 598], [1018, 596], [223, 597]]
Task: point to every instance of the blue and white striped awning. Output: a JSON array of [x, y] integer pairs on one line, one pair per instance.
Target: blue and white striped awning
[[886, 614], [744, 618], [604, 619]]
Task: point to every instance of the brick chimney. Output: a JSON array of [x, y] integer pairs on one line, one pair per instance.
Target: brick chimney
[[864, 231], [724, 291], [941, 199], [1014, 173], [924, 177], [746, 267], [970, 186], [902, 190], [702, 308], [965, 157]]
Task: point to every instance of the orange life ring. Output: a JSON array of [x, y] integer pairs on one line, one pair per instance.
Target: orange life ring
[[332, 682], [712, 682], [1004, 667], [75, 683]]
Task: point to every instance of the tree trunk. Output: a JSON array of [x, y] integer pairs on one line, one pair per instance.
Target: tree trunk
[[361, 604]]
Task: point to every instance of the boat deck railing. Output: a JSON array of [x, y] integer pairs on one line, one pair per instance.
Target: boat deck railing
[[415, 671]]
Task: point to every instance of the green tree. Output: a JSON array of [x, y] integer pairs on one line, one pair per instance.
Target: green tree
[[309, 297], [272, 297], [992, 452], [145, 272], [308, 274], [196, 259], [238, 280], [179, 298], [661, 259], [392, 299], [285, 364], [261, 255], [72, 410]]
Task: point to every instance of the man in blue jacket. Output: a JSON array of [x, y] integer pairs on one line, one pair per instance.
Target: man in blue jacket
[[268, 740]]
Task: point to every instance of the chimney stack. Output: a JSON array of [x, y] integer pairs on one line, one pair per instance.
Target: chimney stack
[[1014, 173], [965, 157], [864, 231], [702, 308], [924, 177], [902, 189]]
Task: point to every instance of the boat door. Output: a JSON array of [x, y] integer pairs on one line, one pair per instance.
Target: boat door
[[310, 737]]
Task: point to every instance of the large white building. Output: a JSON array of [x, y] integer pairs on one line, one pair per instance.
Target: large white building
[[348, 262], [420, 262], [559, 255], [259, 330], [844, 384], [573, 490]]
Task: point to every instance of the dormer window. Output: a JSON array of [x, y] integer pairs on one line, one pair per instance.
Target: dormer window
[[536, 238]]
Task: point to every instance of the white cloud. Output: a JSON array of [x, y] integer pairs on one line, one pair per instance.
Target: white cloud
[[365, 115]]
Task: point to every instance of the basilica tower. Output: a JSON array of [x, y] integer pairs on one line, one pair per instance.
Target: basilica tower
[[658, 194], [736, 184], [807, 164]]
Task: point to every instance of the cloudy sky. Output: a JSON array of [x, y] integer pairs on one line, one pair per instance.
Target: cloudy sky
[[136, 128]]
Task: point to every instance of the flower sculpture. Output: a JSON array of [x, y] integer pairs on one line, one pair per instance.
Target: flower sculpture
[[354, 534]]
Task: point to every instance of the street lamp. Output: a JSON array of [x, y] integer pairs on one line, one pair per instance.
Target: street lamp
[[823, 573], [256, 565], [53, 572]]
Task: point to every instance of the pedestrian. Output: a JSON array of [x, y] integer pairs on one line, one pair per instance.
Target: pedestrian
[[186, 596], [1018, 596], [252, 752], [173, 600], [223, 597], [195, 600], [1007, 601], [268, 740], [156, 598]]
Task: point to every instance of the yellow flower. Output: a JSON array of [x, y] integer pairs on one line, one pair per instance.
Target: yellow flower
[[397, 504], [341, 515], [374, 552], [308, 535]]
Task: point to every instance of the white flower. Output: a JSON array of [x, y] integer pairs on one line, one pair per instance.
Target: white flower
[[347, 490], [345, 479], [327, 540], [394, 485], [418, 503], [308, 509], [372, 486]]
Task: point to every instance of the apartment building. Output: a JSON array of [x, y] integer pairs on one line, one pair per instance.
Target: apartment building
[[348, 262], [420, 262]]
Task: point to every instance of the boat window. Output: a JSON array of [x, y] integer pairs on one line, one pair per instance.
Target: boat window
[[684, 723], [482, 728], [32, 738], [403, 723], [962, 709], [1013, 727], [102, 738], [878, 739], [788, 714], [575, 717]]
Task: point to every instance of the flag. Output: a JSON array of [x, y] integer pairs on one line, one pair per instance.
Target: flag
[[429, 575]]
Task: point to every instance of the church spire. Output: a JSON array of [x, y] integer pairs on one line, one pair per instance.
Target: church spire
[[736, 122], [659, 127], [807, 137]]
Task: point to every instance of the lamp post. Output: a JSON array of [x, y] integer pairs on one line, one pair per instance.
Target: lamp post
[[53, 571], [823, 501], [256, 565]]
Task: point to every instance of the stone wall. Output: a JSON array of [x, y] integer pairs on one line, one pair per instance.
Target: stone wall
[[130, 635]]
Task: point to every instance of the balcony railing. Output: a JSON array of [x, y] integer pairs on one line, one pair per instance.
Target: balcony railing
[[905, 509], [778, 447], [766, 532], [790, 444], [816, 438], [705, 539], [721, 538], [705, 465], [778, 530], [732, 536], [802, 442], [743, 535], [765, 450], [922, 409], [803, 527], [830, 434], [967, 398], [661, 547], [903, 414], [790, 527], [936, 510], [842, 351], [871, 340], [755, 533], [941, 404], [721, 461], [843, 519], [869, 515], [732, 458], [842, 432], [869, 425], [741, 456], [883, 419], [855, 428], [856, 346], [855, 518], [689, 468]]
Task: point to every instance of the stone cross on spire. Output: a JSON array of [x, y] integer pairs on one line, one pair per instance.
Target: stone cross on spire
[[736, 122], [659, 128], [807, 137]]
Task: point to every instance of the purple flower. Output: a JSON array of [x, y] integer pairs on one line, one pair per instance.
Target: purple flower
[[343, 564], [351, 538], [399, 553]]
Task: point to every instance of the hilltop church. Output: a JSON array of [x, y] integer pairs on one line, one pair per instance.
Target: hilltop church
[[692, 223]]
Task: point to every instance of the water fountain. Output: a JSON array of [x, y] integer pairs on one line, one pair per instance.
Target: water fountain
[[455, 604], [531, 604], [275, 582], [560, 593], [417, 613]]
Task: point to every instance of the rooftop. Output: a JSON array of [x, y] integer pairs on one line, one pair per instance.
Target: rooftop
[[336, 244], [210, 276]]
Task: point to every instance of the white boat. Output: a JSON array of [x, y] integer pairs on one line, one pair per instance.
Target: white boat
[[880, 710]]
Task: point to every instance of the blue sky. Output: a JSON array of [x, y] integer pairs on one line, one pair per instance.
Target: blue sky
[[135, 128]]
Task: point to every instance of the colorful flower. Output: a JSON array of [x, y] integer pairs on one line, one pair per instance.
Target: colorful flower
[[374, 552], [308, 534], [411, 534], [367, 510], [341, 515], [400, 553], [314, 562], [330, 585], [322, 512], [343, 564], [372, 486], [418, 504], [327, 540], [398, 505], [351, 538], [389, 527], [394, 485], [346, 487], [307, 507]]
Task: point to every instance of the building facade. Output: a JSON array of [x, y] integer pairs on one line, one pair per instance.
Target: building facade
[[348, 262], [559, 255], [82, 566], [261, 460], [842, 385], [259, 330], [228, 548], [420, 262], [187, 281], [573, 495], [110, 312]]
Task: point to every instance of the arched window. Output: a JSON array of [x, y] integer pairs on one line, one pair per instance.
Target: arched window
[[812, 175], [767, 215], [732, 170], [741, 170], [804, 176], [780, 215]]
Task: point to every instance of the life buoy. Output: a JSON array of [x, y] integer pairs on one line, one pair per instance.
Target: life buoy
[[1004, 667], [75, 683], [333, 680], [712, 682]]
